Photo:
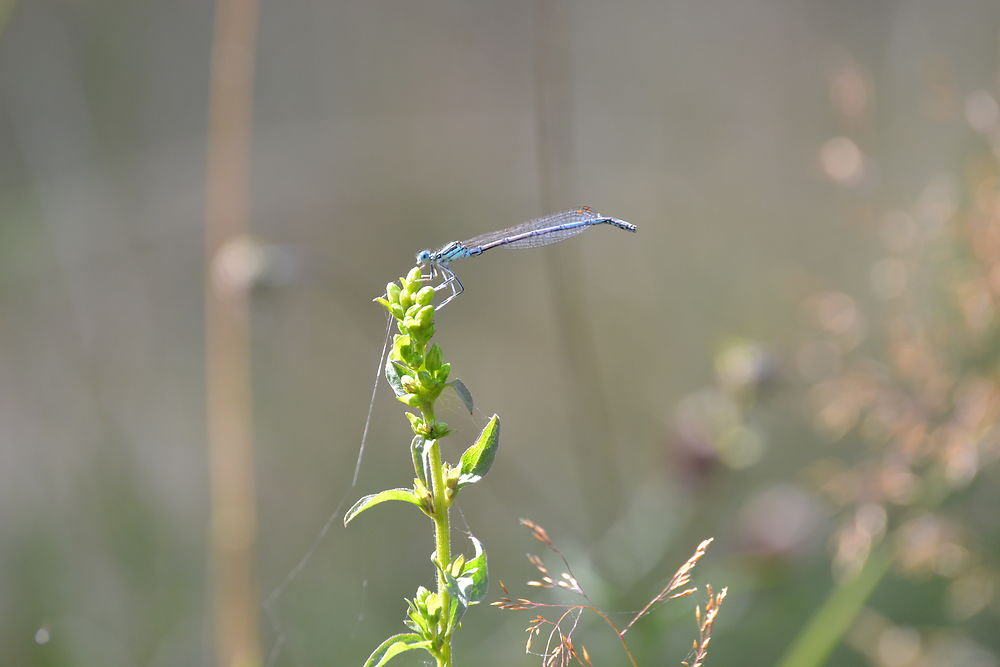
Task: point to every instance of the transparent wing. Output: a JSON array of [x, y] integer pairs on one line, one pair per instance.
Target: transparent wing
[[554, 220], [545, 238]]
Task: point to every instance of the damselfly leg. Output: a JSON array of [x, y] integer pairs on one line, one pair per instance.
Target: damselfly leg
[[444, 278]]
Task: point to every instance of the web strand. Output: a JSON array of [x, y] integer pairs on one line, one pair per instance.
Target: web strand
[[371, 403]]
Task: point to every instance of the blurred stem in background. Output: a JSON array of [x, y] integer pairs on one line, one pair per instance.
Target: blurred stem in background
[[813, 645], [227, 337]]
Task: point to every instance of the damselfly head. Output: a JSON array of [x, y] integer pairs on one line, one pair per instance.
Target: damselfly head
[[423, 256]]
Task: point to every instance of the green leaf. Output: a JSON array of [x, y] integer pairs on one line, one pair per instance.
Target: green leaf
[[470, 586], [418, 447], [394, 377], [478, 459], [463, 393], [475, 570], [395, 645], [426, 456], [402, 348], [405, 495], [411, 400]]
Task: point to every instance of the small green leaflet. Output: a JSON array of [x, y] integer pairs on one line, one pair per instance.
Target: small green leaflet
[[478, 459], [395, 645], [406, 495], [463, 393]]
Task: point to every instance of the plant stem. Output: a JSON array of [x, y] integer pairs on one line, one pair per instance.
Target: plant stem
[[814, 643], [442, 540], [442, 530]]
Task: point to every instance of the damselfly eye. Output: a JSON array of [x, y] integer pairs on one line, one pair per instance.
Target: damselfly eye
[[424, 256]]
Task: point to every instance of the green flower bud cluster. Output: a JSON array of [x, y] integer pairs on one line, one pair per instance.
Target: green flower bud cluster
[[415, 368], [424, 612]]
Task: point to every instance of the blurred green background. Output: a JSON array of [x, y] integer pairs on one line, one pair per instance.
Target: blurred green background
[[797, 354]]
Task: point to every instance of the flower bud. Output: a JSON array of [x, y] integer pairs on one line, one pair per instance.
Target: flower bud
[[433, 359], [416, 423], [424, 296], [443, 372], [437, 431], [425, 315]]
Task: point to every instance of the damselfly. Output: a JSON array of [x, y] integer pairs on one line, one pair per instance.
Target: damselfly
[[532, 234]]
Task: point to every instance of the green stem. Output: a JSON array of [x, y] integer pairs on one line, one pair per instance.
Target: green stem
[[816, 641], [442, 541], [442, 533]]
